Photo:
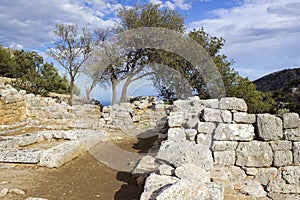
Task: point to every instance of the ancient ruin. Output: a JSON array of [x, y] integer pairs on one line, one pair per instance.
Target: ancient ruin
[[205, 149]]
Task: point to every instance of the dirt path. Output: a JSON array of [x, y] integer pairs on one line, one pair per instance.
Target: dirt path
[[83, 178]]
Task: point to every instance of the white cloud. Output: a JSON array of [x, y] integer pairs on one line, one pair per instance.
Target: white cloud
[[30, 23], [260, 34], [174, 4]]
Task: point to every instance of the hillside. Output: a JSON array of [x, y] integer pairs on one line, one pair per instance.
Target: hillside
[[277, 80], [284, 88]]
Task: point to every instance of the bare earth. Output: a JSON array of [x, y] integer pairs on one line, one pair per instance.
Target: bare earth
[[83, 178]]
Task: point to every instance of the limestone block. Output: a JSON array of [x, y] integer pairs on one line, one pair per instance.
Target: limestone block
[[292, 134], [269, 127], [69, 135], [123, 115], [146, 165], [165, 169], [283, 158], [191, 123], [265, 175], [251, 171], [106, 109], [281, 145], [253, 188], [244, 118], [19, 156], [226, 158], [29, 139], [191, 134], [225, 145], [234, 132], [254, 154], [296, 152], [155, 184], [291, 120], [184, 190], [175, 120], [232, 103], [286, 181], [176, 134], [180, 152], [279, 196], [192, 173], [9, 143], [209, 103], [206, 127], [182, 105], [236, 176], [60, 154], [216, 115]]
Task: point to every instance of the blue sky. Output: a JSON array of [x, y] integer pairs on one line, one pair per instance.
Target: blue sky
[[262, 36]]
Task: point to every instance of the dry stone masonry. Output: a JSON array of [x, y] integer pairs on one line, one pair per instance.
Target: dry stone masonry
[[214, 149]]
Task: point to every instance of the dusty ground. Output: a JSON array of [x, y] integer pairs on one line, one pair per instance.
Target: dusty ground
[[83, 178]]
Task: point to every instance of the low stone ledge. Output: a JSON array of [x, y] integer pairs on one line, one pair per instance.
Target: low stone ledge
[[20, 156], [60, 154]]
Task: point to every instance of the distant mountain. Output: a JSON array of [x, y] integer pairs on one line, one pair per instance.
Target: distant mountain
[[284, 88], [277, 80]]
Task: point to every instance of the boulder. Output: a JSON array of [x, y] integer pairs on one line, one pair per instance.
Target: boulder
[[176, 134], [155, 184], [175, 120], [146, 165], [180, 152], [269, 127], [185, 190], [191, 172], [232, 103], [254, 154], [291, 120], [165, 169], [286, 181], [253, 188]]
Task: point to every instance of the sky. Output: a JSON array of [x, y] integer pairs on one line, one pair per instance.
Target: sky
[[262, 36]]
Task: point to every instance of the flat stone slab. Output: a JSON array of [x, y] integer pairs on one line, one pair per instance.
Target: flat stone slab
[[19, 156], [60, 154]]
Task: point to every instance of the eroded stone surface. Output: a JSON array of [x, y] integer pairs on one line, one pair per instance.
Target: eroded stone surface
[[254, 154]]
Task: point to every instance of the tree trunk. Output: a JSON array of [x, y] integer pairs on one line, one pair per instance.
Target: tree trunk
[[72, 82], [89, 90], [125, 88], [114, 91]]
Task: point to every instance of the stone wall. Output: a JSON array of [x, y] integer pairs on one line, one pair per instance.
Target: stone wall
[[19, 110], [141, 113], [214, 148]]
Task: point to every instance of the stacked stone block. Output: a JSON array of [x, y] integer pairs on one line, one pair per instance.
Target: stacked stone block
[[254, 156], [142, 112]]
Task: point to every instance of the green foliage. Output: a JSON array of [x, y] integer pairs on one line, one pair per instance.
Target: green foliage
[[71, 48], [150, 15], [258, 102], [31, 73]]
